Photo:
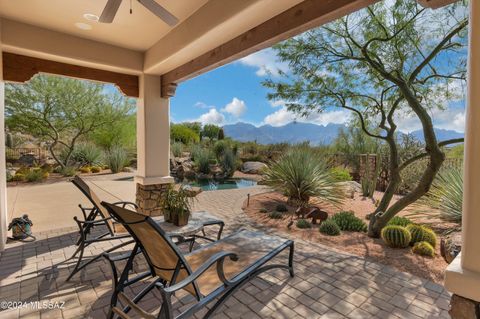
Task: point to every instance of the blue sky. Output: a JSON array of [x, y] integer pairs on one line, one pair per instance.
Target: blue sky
[[234, 93]]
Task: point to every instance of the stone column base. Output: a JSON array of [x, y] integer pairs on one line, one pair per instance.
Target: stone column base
[[463, 308], [148, 198]]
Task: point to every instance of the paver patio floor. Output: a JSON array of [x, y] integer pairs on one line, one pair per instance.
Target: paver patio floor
[[328, 283]]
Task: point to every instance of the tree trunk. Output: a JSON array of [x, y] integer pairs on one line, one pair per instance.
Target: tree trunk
[[378, 221], [52, 152]]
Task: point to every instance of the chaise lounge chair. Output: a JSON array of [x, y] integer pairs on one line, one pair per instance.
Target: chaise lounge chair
[[212, 271], [98, 216]]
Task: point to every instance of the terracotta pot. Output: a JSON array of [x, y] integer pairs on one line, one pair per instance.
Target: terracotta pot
[[181, 219]]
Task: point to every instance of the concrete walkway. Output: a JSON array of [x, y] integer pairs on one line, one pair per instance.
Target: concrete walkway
[[328, 283]]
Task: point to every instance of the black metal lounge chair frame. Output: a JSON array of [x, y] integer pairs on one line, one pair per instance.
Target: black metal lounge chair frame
[[87, 225], [168, 289]]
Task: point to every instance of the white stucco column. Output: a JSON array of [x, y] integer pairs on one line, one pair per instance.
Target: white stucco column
[[3, 178], [463, 274], [153, 144]]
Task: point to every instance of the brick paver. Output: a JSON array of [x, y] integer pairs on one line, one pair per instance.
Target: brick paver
[[328, 283]]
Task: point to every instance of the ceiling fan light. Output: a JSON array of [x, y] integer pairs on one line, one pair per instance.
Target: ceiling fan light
[[91, 17]]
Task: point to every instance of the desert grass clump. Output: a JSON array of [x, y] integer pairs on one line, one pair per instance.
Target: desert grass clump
[[423, 248], [444, 200], [275, 215], [329, 228], [301, 174], [116, 159], [176, 148], [396, 236], [347, 221], [303, 224]]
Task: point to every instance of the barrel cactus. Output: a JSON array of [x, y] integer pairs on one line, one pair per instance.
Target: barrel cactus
[[396, 236], [423, 248], [421, 233], [330, 228]]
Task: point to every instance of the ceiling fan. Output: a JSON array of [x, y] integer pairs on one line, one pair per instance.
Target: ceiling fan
[[112, 6]]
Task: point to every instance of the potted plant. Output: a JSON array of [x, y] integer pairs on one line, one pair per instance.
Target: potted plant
[[177, 206]]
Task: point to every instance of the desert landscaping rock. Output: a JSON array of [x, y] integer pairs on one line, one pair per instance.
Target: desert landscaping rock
[[253, 167]]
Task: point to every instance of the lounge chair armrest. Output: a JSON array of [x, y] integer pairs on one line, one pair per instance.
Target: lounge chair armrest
[[85, 210], [95, 221], [110, 257], [218, 259], [125, 203]]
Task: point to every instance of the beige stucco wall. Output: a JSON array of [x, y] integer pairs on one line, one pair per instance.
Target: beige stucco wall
[[3, 178]]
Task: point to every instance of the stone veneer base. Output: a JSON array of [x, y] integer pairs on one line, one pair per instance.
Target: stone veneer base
[[148, 198]]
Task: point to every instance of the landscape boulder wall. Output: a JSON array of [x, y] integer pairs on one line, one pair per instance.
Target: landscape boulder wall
[[253, 167]]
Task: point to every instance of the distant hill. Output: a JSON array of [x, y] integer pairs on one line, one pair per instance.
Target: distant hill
[[295, 133]]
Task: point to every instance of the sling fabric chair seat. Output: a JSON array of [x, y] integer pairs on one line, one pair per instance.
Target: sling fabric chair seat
[[249, 246], [211, 271]]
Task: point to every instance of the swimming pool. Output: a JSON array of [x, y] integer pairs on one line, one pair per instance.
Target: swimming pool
[[231, 183]]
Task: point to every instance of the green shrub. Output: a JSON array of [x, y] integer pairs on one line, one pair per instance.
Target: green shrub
[[87, 154], [329, 227], [68, 171], [183, 133], [396, 236], [202, 161], [34, 176], [46, 168], [228, 163], [347, 221], [18, 177], [421, 233], [300, 174], [399, 221], [95, 169], [9, 176], [177, 149], [423, 248], [275, 215], [117, 159], [303, 223], [84, 169], [220, 148], [263, 210], [341, 174], [281, 208]]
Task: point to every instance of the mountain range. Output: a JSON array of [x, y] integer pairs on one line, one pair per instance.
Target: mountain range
[[296, 132]]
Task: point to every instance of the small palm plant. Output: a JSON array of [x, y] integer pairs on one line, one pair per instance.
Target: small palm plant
[[444, 200], [301, 174]]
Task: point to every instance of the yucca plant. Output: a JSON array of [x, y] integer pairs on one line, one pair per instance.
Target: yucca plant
[[444, 200], [301, 174]]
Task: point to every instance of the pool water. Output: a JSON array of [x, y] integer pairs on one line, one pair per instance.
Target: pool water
[[233, 183]]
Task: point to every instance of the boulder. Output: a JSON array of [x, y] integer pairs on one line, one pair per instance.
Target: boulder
[[253, 167], [450, 246]]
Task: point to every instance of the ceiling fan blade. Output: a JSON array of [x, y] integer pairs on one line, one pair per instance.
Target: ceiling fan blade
[[160, 12], [111, 8]]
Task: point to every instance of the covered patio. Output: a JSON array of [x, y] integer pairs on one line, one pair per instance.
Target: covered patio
[[147, 59]]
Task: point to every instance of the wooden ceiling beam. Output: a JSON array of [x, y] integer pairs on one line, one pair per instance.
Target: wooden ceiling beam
[[302, 17], [21, 68], [435, 4]]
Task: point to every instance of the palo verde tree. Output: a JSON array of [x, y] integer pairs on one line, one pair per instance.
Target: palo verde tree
[[62, 111], [389, 60]]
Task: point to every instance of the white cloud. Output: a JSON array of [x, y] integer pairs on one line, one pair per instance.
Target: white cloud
[[237, 107], [202, 105], [448, 119], [283, 116], [265, 61], [212, 117], [277, 103]]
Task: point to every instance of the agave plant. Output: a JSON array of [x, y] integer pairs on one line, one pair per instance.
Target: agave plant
[[301, 174], [444, 200]]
